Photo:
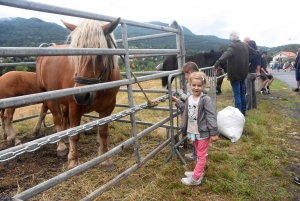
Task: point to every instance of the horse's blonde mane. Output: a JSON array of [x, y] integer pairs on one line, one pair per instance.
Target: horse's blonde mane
[[89, 34]]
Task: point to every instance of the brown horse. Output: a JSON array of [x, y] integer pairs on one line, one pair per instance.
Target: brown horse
[[59, 72], [19, 83]]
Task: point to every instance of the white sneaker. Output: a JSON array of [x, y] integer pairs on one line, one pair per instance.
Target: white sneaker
[[190, 181], [189, 174], [190, 156]]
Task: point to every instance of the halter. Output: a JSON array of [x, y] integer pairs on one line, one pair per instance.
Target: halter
[[89, 81]]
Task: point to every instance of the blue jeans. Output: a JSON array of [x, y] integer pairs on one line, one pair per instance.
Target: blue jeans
[[238, 88]]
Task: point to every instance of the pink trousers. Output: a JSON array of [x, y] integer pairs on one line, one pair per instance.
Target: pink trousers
[[201, 147]]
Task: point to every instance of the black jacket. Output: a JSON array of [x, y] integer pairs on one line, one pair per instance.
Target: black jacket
[[238, 55]]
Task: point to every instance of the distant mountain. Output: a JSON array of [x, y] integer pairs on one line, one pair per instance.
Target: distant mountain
[[21, 32], [193, 43]]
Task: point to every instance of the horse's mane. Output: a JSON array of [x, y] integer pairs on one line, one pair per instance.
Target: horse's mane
[[89, 34]]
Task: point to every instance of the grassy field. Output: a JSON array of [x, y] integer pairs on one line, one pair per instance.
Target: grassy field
[[260, 166]]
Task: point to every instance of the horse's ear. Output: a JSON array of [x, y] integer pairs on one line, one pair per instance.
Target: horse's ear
[[110, 27], [69, 26]]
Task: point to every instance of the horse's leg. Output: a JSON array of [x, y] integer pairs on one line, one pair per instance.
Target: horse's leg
[[65, 120], [74, 120], [54, 107], [37, 129], [103, 135], [9, 130], [4, 136]]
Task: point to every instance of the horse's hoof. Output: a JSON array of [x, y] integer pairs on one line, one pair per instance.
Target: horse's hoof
[[62, 149], [72, 164], [17, 142], [10, 141], [62, 153], [107, 166], [36, 132]]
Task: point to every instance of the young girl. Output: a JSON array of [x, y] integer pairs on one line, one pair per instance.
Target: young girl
[[199, 121]]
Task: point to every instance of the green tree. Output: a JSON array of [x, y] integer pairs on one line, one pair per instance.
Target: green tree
[[21, 68]]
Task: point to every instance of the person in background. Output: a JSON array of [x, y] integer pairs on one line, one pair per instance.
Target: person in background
[[265, 74], [251, 77], [297, 70], [237, 55], [246, 40], [199, 122]]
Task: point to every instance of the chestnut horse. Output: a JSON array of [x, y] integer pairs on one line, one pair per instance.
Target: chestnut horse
[[60, 72], [19, 83], [202, 60]]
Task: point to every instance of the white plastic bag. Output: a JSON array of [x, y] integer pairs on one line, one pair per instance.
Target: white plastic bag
[[231, 123]]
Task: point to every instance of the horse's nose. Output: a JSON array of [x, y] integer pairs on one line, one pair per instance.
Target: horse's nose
[[84, 98]]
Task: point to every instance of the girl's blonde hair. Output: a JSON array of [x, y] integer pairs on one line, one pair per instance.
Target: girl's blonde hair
[[198, 75]]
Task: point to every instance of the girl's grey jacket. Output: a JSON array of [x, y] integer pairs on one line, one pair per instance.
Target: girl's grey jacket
[[207, 118]]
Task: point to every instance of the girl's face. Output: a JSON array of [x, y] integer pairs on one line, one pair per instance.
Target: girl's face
[[197, 87]]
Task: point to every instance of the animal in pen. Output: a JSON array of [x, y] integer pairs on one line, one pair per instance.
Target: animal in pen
[[60, 72]]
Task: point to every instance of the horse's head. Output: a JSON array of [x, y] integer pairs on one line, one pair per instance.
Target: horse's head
[[92, 69], [211, 58]]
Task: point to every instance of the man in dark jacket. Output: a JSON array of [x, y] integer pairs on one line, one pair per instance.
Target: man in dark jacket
[[238, 55], [297, 70], [265, 74]]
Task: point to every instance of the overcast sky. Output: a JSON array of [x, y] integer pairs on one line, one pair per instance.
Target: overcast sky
[[268, 22]]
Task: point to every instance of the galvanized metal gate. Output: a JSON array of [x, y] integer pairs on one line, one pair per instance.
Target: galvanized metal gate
[[177, 31]]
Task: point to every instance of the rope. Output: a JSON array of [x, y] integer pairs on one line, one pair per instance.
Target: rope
[[150, 103]]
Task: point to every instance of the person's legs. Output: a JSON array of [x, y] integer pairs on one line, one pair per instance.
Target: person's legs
[[201, 146], [250, 91], [235, 85], [270, 80], [243, 97], [265, 80], [254, 101], [297, 74]]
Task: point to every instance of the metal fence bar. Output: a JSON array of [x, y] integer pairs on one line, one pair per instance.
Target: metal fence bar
[[148, 37], [25, 118], [68, 174], [30, 5], [34, 51], [40, 97], [121, 176], [17, 64], [128, 121], [12, 152], [35, 98]]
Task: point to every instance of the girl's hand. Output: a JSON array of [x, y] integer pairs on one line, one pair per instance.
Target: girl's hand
[[214, 138], [174, 99]]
